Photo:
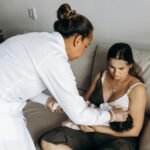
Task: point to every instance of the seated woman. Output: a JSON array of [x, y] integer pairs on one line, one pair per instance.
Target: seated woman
[[119, 85]]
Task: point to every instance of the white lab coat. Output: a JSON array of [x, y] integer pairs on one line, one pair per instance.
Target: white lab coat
[[29, 64]]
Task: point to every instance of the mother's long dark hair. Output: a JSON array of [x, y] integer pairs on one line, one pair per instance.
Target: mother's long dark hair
[[123, 51]]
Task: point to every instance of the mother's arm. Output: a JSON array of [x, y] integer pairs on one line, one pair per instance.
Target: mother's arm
[[137, 105]]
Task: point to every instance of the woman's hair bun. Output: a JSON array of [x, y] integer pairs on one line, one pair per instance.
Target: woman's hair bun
[[69, 22], [65, 12]]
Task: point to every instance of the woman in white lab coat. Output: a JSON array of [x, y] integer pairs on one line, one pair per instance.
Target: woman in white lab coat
[[32, 62]]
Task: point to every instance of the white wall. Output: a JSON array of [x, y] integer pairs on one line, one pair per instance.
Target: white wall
[[114, 20]]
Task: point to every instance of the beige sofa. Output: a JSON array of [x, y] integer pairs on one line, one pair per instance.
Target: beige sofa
[[40, 119]]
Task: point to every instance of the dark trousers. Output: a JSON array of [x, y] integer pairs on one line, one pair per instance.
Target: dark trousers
[[79, 140]]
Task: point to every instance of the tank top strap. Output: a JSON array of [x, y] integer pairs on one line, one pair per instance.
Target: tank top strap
[[103, 74], [134, 85]]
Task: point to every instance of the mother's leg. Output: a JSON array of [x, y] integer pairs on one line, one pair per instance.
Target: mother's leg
[[64, 138], [121, 144], [50, 146]]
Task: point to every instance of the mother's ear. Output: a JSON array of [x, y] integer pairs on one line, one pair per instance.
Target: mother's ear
[[77, 40]]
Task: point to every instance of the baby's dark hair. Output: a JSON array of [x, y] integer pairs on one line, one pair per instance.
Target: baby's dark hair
[[69, 22], [122, 126]]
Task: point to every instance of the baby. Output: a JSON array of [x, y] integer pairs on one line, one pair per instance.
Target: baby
[[116, 126]]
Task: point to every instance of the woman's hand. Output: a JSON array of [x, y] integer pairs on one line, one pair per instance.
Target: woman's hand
[[53, 106], [58, 110], [87, 128]]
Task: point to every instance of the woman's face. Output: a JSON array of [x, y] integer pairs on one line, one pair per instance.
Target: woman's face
[[79, 45], [118, 69], [83, 44]]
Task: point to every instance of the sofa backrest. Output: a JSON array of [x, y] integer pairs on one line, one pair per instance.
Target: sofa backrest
[[82, 68], [142, 57]]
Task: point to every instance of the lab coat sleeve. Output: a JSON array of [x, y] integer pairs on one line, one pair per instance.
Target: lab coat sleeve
[[60, 81], [41, 98]]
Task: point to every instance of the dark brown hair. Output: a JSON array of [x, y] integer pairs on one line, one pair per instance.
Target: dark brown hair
[[70, 23]]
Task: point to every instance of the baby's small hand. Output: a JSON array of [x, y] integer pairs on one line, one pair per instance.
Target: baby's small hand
[[118, 106], [118, 115]]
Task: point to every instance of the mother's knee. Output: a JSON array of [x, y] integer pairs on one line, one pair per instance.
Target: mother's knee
[[44, 145], [50, 146]]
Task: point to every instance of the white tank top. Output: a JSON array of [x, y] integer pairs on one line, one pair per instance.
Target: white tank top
[[122, 101]]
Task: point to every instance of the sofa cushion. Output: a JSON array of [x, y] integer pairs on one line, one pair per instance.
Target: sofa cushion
[[142, 57], [82, 68], [145, 136]]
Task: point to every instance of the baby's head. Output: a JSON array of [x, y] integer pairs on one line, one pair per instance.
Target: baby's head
[[122, 126]]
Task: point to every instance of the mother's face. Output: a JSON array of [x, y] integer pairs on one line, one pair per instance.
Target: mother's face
[[118, 69]]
